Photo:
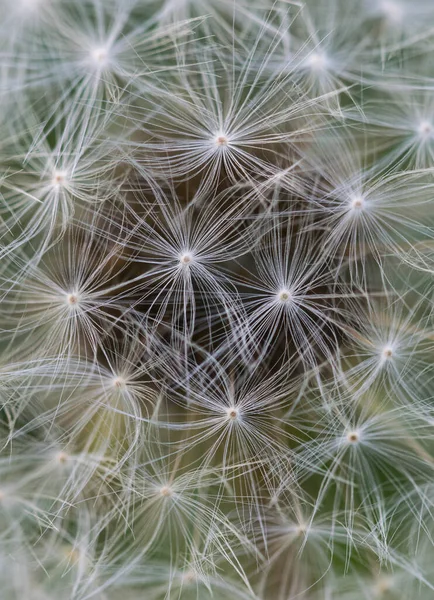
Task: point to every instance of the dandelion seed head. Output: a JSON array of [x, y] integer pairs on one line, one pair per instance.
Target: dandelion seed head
[[148, 337]]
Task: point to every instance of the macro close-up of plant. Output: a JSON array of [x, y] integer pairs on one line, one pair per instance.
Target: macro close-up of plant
[[216, 300]]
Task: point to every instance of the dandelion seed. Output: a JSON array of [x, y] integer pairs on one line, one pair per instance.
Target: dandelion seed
[[166, 491], [221, 140], [383, 586], [182, 251], [62, 458], [317, 61], [203, 133], [353, 437], [358, 203], [72, 299], [119, 382], [186, 259], [425, 130], [402, 125], [369, 210], [284, 296], [233, 414], [301, 529], [391, 350], [73, 555], [189, 577], [100, 56], [387, 352], [59, 178]]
